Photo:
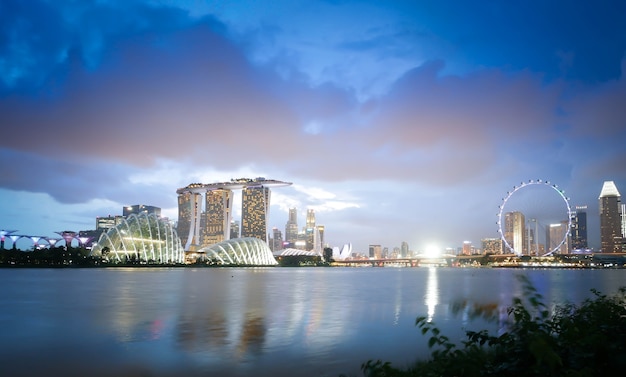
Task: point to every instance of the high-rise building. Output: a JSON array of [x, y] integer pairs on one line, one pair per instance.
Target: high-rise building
[[217, 217], [140, 208], [579, 229], [277, 240], [320, 231], [234, 229], [555, 234], [189, 215], [198, 229], [291, 228], [515, 232], [610, 220], [375, 251], [309, 229], [467, 248], [255, 207], [404, 249]]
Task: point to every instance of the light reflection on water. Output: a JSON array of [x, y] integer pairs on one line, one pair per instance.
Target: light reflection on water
[[243, 321]]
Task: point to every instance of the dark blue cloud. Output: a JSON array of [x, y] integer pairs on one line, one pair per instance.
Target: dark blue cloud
[[572, 39], [40, 39]]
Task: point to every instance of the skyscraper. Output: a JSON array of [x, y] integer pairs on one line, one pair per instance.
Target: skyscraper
[[234, 229], [277, 240], [610, 219], [515, 232], [189, 213], [555, 233], [375, 251], [309, 229], [291, 228], [320, 232], [579, 229], [255, 207], [218, 215], [404, 249], [197, 228]]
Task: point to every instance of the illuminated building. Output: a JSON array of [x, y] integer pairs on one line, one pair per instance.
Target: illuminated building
[[492, 246], [320, 233], [515, 232], [255, 208], [247, 251], [217, 216], [554, 236], [579, 229], [198, 229], [104, 223], [291, 228], [467, 248], [309, 229], [140, 238], [189, 212], [610, 220], [139, 208]]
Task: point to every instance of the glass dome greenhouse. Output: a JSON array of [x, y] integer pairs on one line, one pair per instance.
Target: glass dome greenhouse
[[247, 251], [141, 238]]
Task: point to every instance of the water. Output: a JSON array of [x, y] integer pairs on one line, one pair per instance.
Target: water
[[248, 321]]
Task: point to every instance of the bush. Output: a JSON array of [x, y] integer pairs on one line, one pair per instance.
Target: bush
[[572, 340]]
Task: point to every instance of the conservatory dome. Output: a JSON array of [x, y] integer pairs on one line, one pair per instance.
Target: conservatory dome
[[142, 238], [249, 251]]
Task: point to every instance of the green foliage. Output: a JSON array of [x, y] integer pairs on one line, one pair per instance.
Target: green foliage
[[571, 340]]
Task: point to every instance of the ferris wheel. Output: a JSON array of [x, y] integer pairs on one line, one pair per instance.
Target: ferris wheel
[[535, 218]]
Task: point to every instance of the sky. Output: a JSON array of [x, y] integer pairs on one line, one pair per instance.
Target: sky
[[394, 120]]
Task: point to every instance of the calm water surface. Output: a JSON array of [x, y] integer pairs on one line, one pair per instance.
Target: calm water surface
[[248, 321]]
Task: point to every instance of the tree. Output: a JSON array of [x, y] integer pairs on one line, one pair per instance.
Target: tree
[[328, 254]]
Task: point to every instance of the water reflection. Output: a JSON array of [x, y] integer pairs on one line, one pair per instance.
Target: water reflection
[[262, 322], [432, 292]]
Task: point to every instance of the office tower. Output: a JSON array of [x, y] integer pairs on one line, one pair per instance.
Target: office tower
[[255, 206], [579, 229], [515, 232], [375, 251], [291, 228], [217, 216], [277, 240], [140, 208], [404, 249], [309, 229], [610, 220]]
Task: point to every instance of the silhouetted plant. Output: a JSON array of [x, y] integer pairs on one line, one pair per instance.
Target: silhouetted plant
[[572, 340]]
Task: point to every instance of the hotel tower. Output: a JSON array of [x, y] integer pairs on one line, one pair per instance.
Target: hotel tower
[[198, 228]]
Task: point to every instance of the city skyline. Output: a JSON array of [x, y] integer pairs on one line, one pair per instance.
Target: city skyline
[[395, 121]]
